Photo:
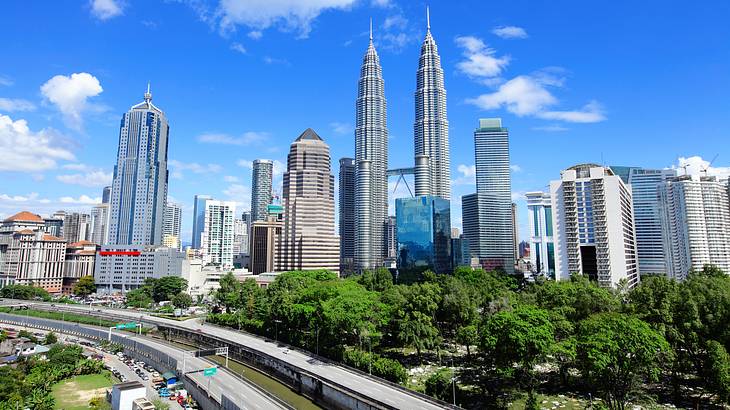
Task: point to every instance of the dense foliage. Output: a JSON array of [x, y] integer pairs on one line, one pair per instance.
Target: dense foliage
[[24, 292], [660, 341], [85, 286], [156, 290], [28, 385]]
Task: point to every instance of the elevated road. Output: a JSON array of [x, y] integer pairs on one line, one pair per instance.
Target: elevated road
[[374, 389]]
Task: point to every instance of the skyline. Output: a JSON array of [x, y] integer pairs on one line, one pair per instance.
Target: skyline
[[221, 119]]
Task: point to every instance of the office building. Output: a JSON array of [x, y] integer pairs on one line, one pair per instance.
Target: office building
[[264, 241], [100, 224], [261, 188], [647, 219], [525, 249], [515, 232], [216, 240], [139, 187], [106, 194], [695, 216], [347, 215], [391, 240], [173, 220], [542, 244], [431, 128], [54, 225], [240, 237], [125, 267], [79, 262], [593, 221], [371, 158], [30, 256], [77, 227], [491, 229], [424, 234], [198, 219], [308, 239]]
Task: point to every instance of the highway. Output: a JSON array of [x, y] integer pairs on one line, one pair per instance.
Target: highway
[[366, 386], [245, 395]]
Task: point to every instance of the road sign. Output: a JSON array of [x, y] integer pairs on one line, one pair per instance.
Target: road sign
[[130, 325], [210, 371]]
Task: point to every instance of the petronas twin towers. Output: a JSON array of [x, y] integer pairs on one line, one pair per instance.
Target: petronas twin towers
[[431, 147]]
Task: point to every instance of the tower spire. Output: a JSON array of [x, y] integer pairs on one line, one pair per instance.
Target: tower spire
[[371, 29], [148, 95], [428, 19]]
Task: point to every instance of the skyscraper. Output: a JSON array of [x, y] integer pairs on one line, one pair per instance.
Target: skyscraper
[[431, 129], [106, 194], [495, 242], [139, 188], [542, 245], [594, 226], [76, 227], [470, 224], [308, 239], [198, 218], [216, 240], [173, 219], [100, 224], [261, 179], [371, 156], [347, 214], [424, 234], [695, 215], [649, 240]]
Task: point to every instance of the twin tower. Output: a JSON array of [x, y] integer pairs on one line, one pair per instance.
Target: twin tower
[[430, 141]]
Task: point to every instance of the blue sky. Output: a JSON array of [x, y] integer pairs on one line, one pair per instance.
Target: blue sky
[[622, 82]]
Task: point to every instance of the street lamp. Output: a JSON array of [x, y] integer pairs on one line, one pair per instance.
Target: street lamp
[[453, 380]]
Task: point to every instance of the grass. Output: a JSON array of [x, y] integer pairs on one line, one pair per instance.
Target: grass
[[76, 392], [66, 317], [548, 402]]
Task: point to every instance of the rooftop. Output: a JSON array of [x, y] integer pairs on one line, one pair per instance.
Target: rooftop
[[309, 134], [24, 216]]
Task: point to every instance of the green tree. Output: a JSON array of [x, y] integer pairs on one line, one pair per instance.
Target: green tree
[[616, 353], [50, 339], [139, 298], [439, 384], [166, 287], [227, 294], [85, 286], [377, 280], [11, 382], [517, 341], [717, 371], [182, 300]]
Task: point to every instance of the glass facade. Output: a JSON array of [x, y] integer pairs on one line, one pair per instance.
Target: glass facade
[[424, 234]]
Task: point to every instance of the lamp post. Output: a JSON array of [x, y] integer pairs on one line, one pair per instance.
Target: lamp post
[[453, 380]]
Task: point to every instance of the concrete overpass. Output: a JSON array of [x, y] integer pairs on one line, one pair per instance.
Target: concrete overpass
[[328, 384]]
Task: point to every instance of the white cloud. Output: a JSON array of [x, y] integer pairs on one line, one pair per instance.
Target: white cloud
[[395, 21], [231, 178], [240, 194], [92, 178], [18, 198], [15, 104], [23, 150], [255, 34], [238, 47], [245, 163], [395, 34], [272, 60], [527, 95], [81, 200], [106, 9], [468, 175], [551, 128], [342, 128], [515, 168], [518, 196], [481, 61], [178, 168], [5, 81], [247, 138], [510, 32], [696, 165], [279, 167], [287, 15], [69, 94]]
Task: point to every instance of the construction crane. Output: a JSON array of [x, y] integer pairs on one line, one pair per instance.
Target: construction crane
[[709, 164]]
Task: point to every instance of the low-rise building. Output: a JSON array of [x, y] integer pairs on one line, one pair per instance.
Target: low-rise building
[[80, 258], [125, 267], [124, 394]]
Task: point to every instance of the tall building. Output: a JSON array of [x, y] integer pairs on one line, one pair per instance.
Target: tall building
[[391, 240], [76, 227], [308, 239], [594, 230], [106, 194], [30, 256], [100, 224], [515, 232], [431, 129], [695, 215], [542, 244], [494, 244], [125, 267], [54, 225], [424, 234], [173, 219], [647, 219], [198, 219], [240, 237], [216, 240], [261, 189], [371, 157], [265, 236], [470, 223], [347, 214], [139, 188]]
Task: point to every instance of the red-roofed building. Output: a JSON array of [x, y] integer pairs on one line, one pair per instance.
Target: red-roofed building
[[80, 258]]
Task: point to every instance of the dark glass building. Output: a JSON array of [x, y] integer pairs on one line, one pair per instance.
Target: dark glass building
[[424, 234]]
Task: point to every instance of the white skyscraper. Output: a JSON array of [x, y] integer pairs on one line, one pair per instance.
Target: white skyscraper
[[139, 188], [218, 233], [695, 215], [542, 245], [173, 219], [100, 224], [594, 226], [431, 129], [371, 159]]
